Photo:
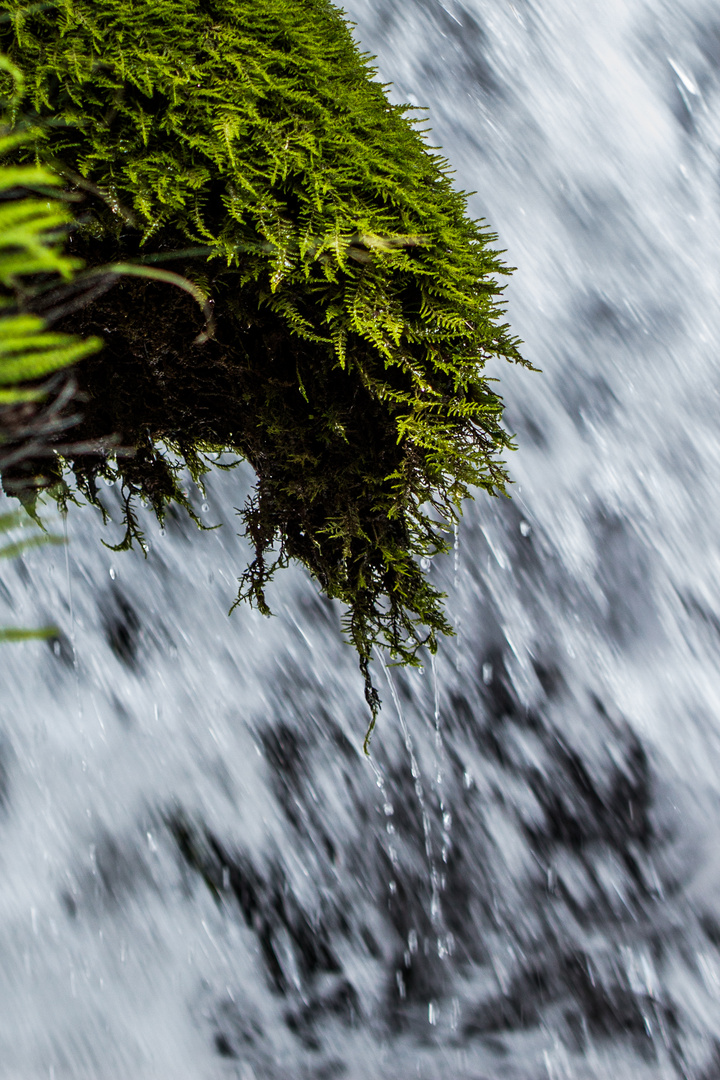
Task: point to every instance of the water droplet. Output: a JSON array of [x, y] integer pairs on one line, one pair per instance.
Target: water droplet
[[525, 528], [113, 575], [487, 673], [425, 563], [204, 508], [432, 1013]]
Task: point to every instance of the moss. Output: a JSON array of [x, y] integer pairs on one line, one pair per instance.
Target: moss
[[355, 302]]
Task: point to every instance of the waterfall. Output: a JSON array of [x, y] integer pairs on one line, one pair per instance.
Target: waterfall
[[201, 876]]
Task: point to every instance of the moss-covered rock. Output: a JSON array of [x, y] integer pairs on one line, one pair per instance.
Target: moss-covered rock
[[354, 302]]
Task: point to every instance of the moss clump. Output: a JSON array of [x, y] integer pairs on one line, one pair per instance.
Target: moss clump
[[355, 303]]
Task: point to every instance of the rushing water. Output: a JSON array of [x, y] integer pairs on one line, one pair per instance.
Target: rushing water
[[200, 875]]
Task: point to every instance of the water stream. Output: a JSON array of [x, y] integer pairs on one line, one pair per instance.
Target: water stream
[[200, 874]]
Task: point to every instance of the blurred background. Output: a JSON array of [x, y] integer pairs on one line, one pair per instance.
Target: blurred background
[[201, 876]]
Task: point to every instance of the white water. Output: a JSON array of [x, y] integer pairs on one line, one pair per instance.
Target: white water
[[564, 918]]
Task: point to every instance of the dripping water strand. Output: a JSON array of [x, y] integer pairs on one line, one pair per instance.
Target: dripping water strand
[[456, 553], [440, 761], [388, 811], [435, 907], [457, 618], [72, 617]]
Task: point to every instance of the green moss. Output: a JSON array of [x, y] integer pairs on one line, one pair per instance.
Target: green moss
[[355, 303]]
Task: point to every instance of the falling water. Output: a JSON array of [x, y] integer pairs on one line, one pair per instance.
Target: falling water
[[198, 880]]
